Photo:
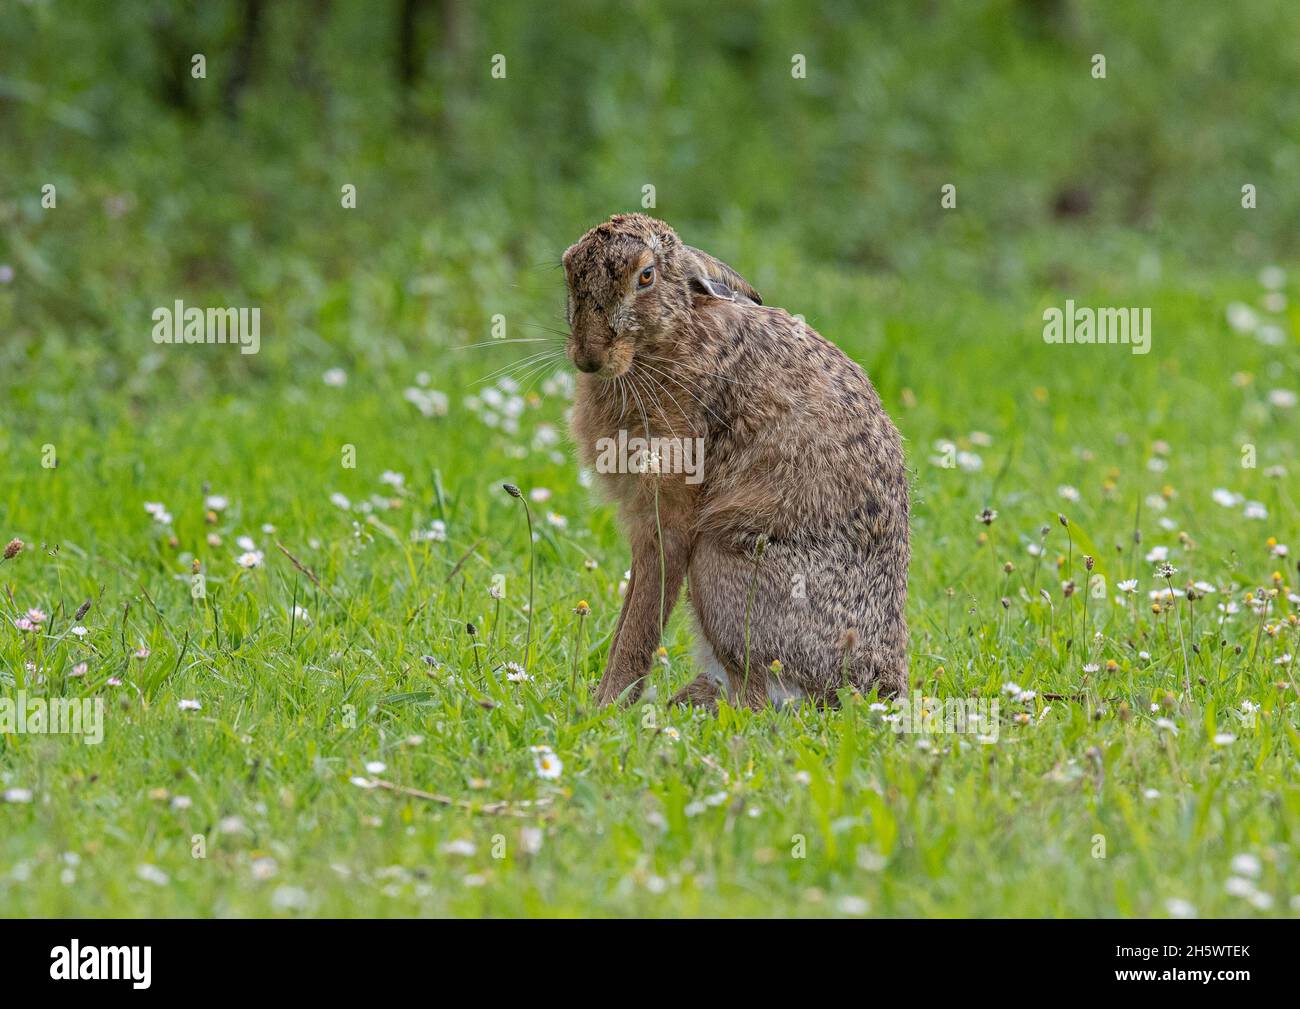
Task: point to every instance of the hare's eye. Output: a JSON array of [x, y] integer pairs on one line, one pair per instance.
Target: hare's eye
[[647, 277]]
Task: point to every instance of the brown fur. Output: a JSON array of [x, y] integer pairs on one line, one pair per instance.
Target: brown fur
[[797, 450]]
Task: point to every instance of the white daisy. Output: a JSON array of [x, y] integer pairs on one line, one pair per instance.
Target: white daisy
[[1238, 887], [152, 874], [1246, 865], [1242, 318], [530, 840], [1226, 498], [1272, 277], [548, 765]]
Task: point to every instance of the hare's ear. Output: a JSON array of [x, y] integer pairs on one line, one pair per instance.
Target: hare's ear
[[708, 275]]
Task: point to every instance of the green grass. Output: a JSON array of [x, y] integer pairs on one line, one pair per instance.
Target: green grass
[[709, 820]]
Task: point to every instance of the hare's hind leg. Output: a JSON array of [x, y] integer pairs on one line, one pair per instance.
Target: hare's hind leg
[[741, 623], [718, 679], [712, 682], [701, 692]]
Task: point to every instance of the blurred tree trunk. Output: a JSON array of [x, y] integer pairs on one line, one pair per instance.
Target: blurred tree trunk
[[408, 46], [241, 64], [453, 24], [306, 67], [174, 49], [1056, 19]]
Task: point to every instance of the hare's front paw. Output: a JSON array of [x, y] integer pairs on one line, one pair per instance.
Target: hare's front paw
[[614, 682]]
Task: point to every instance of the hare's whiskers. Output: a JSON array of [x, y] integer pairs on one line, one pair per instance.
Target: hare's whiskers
[[528, 361], [545, 376], [535, 372], [512, 365], [537, 367], [635, 382], [563, 334], [687, 389], [497, 343], [702, 373], [644, 419], [655, 384]]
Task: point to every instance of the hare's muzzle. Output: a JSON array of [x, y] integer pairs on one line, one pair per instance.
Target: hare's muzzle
[[586, 362], [589, 348]]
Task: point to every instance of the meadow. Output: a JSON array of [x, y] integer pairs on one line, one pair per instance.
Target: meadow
[[339, 677]]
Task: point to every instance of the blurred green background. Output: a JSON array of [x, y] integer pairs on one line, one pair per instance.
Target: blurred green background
[[469, 186]]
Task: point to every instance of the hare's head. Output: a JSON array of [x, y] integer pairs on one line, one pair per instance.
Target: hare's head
[[631, 280]]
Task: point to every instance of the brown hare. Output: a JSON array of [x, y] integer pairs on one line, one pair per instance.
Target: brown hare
[[769, 476]]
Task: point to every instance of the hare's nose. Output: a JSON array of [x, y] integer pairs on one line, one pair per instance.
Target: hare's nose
[[584, 363]]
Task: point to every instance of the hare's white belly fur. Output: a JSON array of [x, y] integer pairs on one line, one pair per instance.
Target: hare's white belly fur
[[778, 692]]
